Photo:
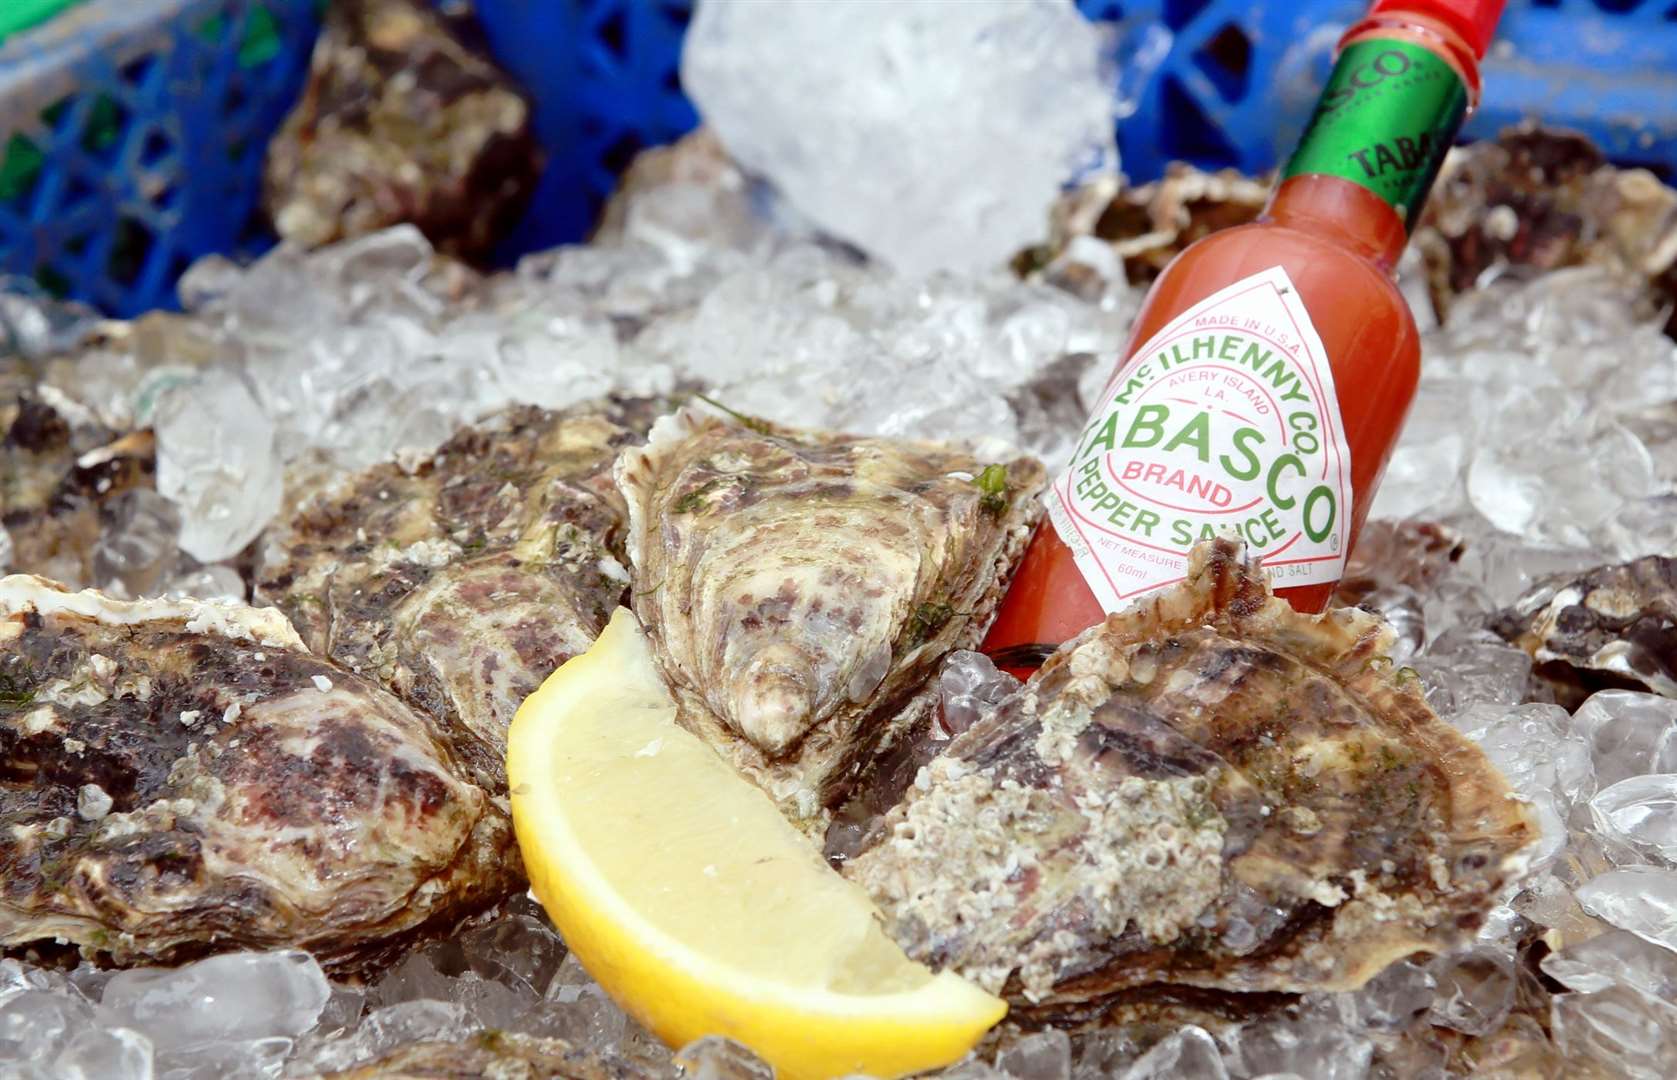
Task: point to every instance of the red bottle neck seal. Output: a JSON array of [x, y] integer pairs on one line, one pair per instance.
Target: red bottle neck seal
[[1474, 20]]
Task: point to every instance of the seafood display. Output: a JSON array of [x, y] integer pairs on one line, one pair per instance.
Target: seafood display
[[1427, 833], [1206, 790], [183, 777], [799, 588]]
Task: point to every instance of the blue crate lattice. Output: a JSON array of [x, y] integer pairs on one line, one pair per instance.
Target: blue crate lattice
[[133, 132]]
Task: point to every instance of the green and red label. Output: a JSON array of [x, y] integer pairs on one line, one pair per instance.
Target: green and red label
[[1225, 420], [1386, 119]]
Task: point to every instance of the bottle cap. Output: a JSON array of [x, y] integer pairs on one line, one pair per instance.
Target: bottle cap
[[1474, 20]]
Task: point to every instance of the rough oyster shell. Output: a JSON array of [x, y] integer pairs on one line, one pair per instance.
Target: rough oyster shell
[[1207, 790], [1541, 198], [502, 1055], [59, 482], [462, 580], [1614, 626], [182, 777], [401, 121], [798, 588]]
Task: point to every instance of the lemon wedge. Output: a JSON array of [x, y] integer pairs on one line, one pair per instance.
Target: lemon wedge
[[699, 909]]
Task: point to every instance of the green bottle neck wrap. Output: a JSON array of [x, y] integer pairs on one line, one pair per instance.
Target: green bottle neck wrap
[[1386, 118]]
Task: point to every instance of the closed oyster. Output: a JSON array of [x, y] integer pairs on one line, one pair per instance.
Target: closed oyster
[[1206, 790], [402, 120], [799, 588], [1614, 626], [462, 580], [61, 484], [183, 777], [1537, 199]]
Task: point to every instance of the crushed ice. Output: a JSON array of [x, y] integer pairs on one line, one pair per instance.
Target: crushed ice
[[1543, 436], [1560, 463]]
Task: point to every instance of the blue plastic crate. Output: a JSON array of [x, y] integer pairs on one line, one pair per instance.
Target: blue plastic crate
[[1234, 88], [1241, 77], [131, 139]]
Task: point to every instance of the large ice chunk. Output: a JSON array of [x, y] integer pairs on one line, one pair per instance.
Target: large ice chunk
[[234, 998], [931, 135], [216, 463]]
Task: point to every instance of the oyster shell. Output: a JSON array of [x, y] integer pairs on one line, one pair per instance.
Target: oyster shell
[[402, 120], [503, 1055], [799, 588], [1614, 626], [61, 484], [1208, 790], [462, 580], [1539, 198], [183, 777]]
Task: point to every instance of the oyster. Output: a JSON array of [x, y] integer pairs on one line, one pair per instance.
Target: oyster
[[1614, 626], [1542, 198], [462, 580], [1207, 790], [184, 777], [798, 589], [402, 120], [61, 486], [1148, 225], [504, 1055]]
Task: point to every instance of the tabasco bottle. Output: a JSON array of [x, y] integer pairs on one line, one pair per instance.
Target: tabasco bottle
[[1272, 364]]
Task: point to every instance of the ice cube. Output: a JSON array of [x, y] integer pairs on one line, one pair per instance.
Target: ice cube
[[106, 1053], [579, 1010], [716, 1058], [1392, 1000], [233, 998], [1617, 957], [1044, 1055], [557, 363], [520, 949], [931, 135], [1629, 733], [137, 543], [972, 1067], [1466, 668], [968, 686], [384, 1029], [1547, 764], [37, 1024], [1309, 1046], [1641, 899], [1187, 1051], [1621, 1030], [1640, 811], [1475, 990], [216, 462], [416, 978], [1422, 475], [215, 582], [34, 324]]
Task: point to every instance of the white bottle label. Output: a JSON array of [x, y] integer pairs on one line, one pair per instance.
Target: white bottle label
[[1226, 419]]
